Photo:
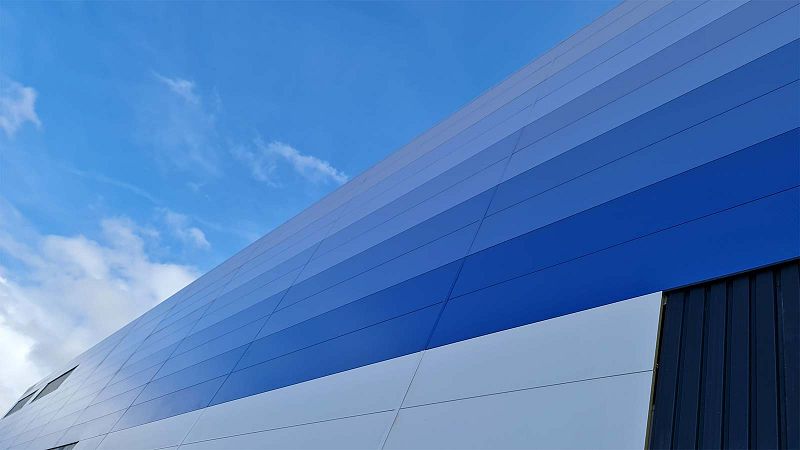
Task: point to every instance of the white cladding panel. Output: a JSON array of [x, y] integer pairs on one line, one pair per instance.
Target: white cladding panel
[[576, 381]]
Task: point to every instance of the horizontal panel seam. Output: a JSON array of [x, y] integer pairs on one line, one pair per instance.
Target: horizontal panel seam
[[383, 263], [341, 335], [661, 76], [531, 388], [695, 125], [288, 426], [629, 240]]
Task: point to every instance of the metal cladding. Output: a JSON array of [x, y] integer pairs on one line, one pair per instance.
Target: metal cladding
[[496, 283]]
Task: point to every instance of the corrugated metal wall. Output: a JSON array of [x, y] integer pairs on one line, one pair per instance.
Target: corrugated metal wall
[[727, 363]]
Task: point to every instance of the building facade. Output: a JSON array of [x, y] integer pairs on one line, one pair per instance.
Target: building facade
[[599, 252]]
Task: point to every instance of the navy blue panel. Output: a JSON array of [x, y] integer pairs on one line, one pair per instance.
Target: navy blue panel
[[669, 351], [728, 393], [713, 379], [422, 291], [789, 330], [397, 337], [765, 382], [737, 396], [729, 91], [217, 346], [760, 170], [434, 228], [727, 242], [196, 374], [179, 402], [689, 364]]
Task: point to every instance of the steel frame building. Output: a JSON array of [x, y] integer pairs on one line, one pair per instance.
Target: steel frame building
[[599, 252]]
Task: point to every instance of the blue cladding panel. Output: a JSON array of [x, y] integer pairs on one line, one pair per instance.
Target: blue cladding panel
[[420, 292], [396, 337], [432, 229], [581, 181], [196, 374], [734, 240], [231, 322], [747, 175], [732, 90], [668, 59], [725, 134], [175, 403], [134, 381], [219, 345]]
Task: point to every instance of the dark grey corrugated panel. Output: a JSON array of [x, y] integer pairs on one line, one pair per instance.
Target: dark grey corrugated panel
[[728, 363]]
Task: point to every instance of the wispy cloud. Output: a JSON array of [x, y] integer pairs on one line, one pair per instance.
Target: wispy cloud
[[17, 106], [60, 294], [181, 87], [264, 159], [196, 236], [179, 225], [180, 129], [133, 189]]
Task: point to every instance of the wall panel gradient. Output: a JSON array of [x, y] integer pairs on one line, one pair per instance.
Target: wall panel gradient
[[496, 282]]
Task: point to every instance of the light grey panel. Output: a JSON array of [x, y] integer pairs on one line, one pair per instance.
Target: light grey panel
[[609, 340], [21, 445], [725, 58], [609, 413], [46, 441], [361, 432], [89, 444], [162, 433], [369, 389], [92, 428]]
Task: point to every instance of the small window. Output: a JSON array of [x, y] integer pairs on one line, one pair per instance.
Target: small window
[[64, 447], [53, 385], [17, 406]]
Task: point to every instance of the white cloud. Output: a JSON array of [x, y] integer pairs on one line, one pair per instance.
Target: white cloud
[[179, 226], [263, 162], [181, 87], [59, 295], [181, 130], [17, 106]]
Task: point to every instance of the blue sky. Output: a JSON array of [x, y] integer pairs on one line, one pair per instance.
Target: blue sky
[[143, 143]]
